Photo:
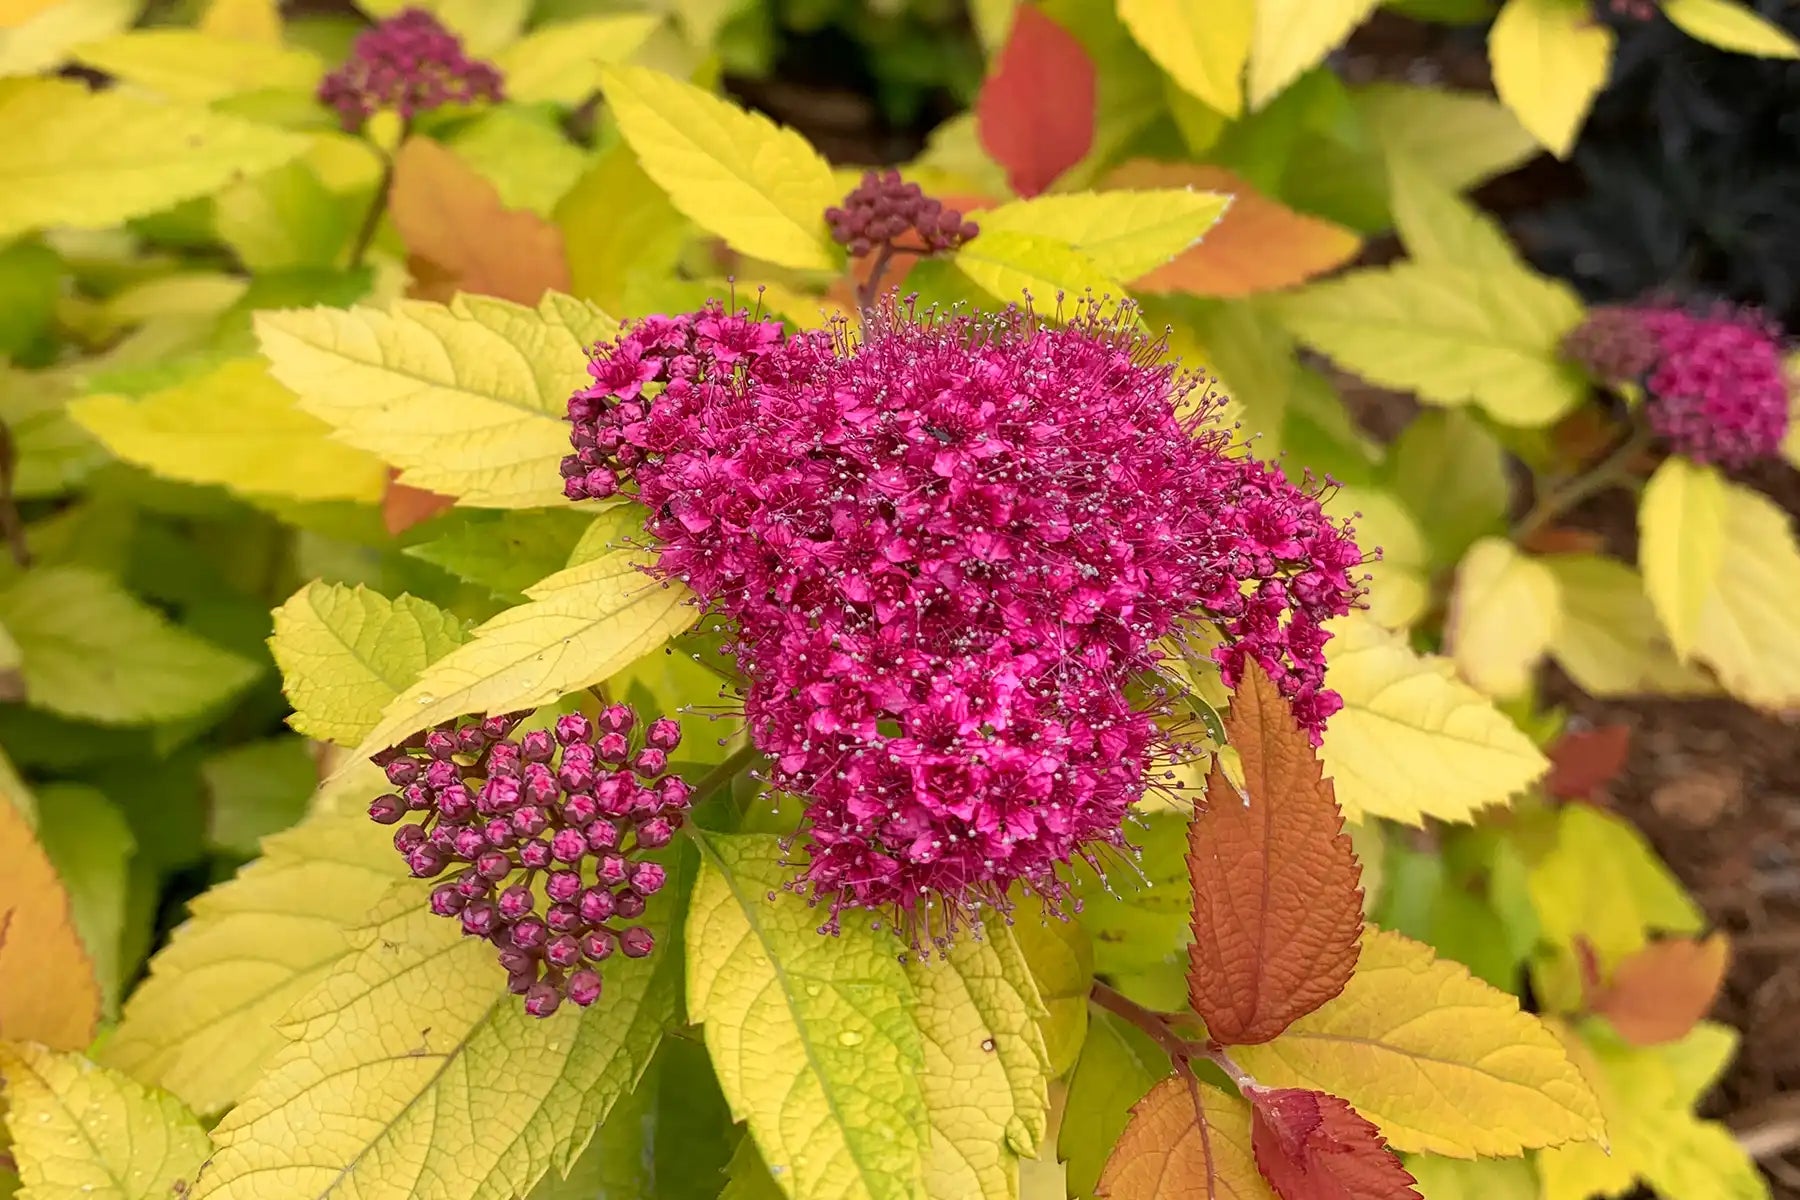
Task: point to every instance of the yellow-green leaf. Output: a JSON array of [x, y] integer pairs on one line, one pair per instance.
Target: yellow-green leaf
[[1202, 44], [580, 626], [1550, 59], [1412, 741], [467, 399], [1125, 233], [737, 174], [1447, 464], [1457, 138], [1504, 615], [1400, 580], [80, 1132], [1013, 266], [1602, 883], [238, 428], [1681, 524], [1440, 1178], [416, 1074], [986, 1065], [616, 223], [1292, 35], [1437, 225], [560, 63], [205, 1020], [42, 36], [814, 1038], [287, 218], [1409, 1032], [1061, 959], [243, 20], [187, 64], [1731, 26], [48, 991], [1610, 642], [93, 159]]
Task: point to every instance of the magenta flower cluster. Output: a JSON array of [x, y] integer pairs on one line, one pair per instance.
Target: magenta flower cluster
[[884, 208], [411, 64], [560, 819], [951, 550], [1717, 393]]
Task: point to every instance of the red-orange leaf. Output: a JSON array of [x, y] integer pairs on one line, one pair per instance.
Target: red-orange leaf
[[48, 992], [1185, 1141], [460, 238], [1314, 1146], [1259, 245], [1277, 898], [1035, 113], [1660, 993], [1582, 763], [403, 506]]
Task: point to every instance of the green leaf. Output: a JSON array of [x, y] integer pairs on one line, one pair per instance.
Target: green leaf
[[1550, 59], [1610, 641], [560, 62], [1293, 35], [734, 173], [91, 846], [467, 399], [1400, 581], [581, 626], [50, 28], [1731, 26], [1125, 233], [1203, 46], [1439, 226], [204, 1021], [257, 789], [420, 1076], [1013, 267], [617, 223], [813, 1037], [91, 651], [1118, 1065], [79, 1132], [90, 160], [1458, 138], [1441, 1178], [1505, 612], [1061, 959], [1138, 918], [345, 654], [1452, 334], [186, 64], [524, 153], [986, 1066], [30, 287], [54, 453], [286, 219], [1448, 465], [237, 428], [748, 1176], [1602, 883], [508, 551]]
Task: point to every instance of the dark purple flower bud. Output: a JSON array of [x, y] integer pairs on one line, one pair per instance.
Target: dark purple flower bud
[[597, 945], [440, 745], [530, 934], [494, 865], [441, 774], [637, 942], [612, 748], [443, 837], [563, 886], [536, 746], [385, 810], [562, 918], [515, 959], [672, 791], [655, 833], [664, 733], [568, 845], [502, 759], [562, 951], [501, 794], [602, 835], [446, 901], [650, 762], [584, 987], [521, 981], [418, 797], [402, 771], [516, 902], [574, 776], [408, 838], [573, 728], [499, 833], [611, 870], [530, 820], [470, 740], [455, 804], [595, 906], [617, 718], [542, 999], [535, 854], [541, 786], [647, 878], [498, 727], [469, 843], [628, 905], [470, 885], [480, 918], [580, 809]]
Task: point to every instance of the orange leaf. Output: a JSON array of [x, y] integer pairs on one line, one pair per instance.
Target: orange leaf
[[460, 238], [1259, 245], [1277, 898], [48, 992], [1035, 113], [403, 506], [1584, 762], [1314, 1146], [1660, 993], [1185, 1141]]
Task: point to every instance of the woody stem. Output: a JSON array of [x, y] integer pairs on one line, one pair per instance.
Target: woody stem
[[1554, 501], [1155, 1024]]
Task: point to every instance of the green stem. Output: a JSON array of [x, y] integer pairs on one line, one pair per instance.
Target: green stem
[[722, 775], [1610, 471], [365, 236]]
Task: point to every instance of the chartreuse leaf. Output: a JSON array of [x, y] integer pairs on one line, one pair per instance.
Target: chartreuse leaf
[[205, 1020], [1292, 35], [1437, 225], [467, 399], [1412, 741], [92, 651], [814, 1038], [1139, 919], [38, 34], [512, 550], [243, 20], [1061, 959], [1602, 884], [48, 992], [92, 159], [1400, 580], [1719, 561], [1504, 615], [581, 625], [1731, 26], [1446, 464], [737, 174], [747, 1175], [616, 224], [287, 219], [986, 1065], [1012, 266], [1125, 233], [1458, 138], [1409, 1030], [420, 1077], [345, 653], [1185, 1139], [188, 64], [1550, 59], [1610, 641], [235, 427], [91, 847], [1118, 1065], [256, 789], [1452, 333], [1203, 46], [1441, 1178], [79, 1131], [561, 62]]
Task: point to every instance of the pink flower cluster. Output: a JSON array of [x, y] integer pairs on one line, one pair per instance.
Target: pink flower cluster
[[1717, 393], [411, 64], [952, 550]]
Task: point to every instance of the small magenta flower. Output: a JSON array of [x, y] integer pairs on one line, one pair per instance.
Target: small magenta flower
[[411, 64], [883, 209], [529, 897], [1718, 393], [1613, 345]]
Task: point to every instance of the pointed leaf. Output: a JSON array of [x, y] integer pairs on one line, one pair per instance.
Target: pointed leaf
[[1311, 1146], [737, 174], [79, 1132], [1731, 26], [346, 653], [1446, 464], [48, 992], [616, 225], [1438, 225], [1186, 1141], [1601, 884], [1293, 35], [90, 160], [91, 847], [813, 1037], [1504, 616], [1061, 959], [1681, 524], [1458, 138], [1013, 266], [199, 67], [1203, 46], [467, 399], [581, 626], [1661, 992], [1410, 1030], [1125, 233], [36, 35], [1610, 641], [1277, 907], [510, 552], [1119, 1064], [452, 219], [1035, 114], [560, 62], [1550, 59]]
